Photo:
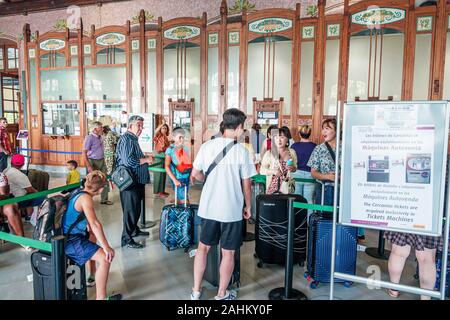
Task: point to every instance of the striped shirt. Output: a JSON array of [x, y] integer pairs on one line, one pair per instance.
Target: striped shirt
[[128, 154]]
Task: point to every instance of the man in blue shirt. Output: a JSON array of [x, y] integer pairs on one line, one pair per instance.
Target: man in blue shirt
[[130, 155]]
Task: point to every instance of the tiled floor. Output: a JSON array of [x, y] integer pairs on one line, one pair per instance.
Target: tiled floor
[[155, 273]]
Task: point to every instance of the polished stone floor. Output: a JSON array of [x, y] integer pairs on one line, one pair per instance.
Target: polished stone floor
[[155, 273]]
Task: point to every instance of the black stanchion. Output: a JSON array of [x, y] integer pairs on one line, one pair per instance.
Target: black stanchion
[[287, 292], [380, 252], [246, 236], [145, 224], [59, 267]]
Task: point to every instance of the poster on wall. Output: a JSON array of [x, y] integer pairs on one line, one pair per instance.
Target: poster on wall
[[393, 166], [146, 137]]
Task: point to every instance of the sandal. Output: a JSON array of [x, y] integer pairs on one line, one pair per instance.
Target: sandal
[[393, 293], [108, 202]]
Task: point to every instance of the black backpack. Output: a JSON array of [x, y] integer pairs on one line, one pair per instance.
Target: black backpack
[[50, 216]]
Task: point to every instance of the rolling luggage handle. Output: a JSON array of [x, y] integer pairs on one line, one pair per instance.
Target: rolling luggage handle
[[185, 196]]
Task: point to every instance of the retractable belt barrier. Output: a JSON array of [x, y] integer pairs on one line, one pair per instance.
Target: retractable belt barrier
[[48, 151], [36, 244], [260, 178]]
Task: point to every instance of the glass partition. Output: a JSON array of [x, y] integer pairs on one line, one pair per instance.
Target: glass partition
[[10, 88], [331, 77], [105, 83], [113, 115], [135, 83], [152, 85], [422, 60], [391, 69], [282, 77], [192, 76], [233, 77], [447, 70], [213, 81], [306, 77], [33, 97], [59, 85], [61, 119], [2, 64], [50, 60], [111, 56]]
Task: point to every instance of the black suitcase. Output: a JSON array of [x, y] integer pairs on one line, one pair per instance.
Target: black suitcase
[[213, 265], [271, 229], [43, 280]]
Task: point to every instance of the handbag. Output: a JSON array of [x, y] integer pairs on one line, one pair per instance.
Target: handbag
[[122, 178], [285, 185]]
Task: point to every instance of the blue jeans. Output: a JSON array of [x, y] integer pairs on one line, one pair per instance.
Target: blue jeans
[[305, 189], [328, 196]]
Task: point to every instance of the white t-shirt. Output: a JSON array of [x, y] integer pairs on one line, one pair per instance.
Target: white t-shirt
[[222, 197], [18, 181]]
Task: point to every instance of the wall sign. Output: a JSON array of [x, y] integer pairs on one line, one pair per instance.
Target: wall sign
[[270, 25], [394, 157], [182, 32], [52, 44], [110, 39], [377, 16]]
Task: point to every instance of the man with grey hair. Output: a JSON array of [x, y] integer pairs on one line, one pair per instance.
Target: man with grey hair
[[130, 155], [94, 156]]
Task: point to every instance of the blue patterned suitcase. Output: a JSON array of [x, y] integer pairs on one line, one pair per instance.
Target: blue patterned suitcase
[[319, 250], [176, 228]]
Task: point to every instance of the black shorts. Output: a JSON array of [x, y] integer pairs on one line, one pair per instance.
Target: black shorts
[[229, 234]]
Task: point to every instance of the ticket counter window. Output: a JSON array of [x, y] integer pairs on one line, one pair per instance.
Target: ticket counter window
[[113, 115], [61, 119]]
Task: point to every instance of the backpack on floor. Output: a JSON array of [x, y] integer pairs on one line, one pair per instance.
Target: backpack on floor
[[49, 221]]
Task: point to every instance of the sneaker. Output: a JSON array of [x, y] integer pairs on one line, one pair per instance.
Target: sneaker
[[229, 295], [196, 295], [27, 248], [90, 282], [117, 296]]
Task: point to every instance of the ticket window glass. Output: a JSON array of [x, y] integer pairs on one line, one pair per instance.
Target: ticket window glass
[[113, 115], [9, 96], [61, 119]]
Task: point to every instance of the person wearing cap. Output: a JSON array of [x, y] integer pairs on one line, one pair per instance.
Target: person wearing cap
[[20, 184], [130, 155], [94, 156]]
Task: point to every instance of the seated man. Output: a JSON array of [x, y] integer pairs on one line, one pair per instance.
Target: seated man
[[20, 185], [10, 211]]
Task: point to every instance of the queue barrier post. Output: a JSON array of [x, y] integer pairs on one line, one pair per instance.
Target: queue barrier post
[[59, 267], [287, 292]]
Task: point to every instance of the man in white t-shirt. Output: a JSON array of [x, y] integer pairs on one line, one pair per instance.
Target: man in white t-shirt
[[10, 211], [222, 200], [20, 184]]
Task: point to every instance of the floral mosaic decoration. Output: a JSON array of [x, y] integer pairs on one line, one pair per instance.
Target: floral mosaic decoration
[[312, 10], [148, 17], [60, 25], [240, 5]]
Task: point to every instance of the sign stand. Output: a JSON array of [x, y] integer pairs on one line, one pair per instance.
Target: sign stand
[[380, 252], [377, 282], [287, 292]]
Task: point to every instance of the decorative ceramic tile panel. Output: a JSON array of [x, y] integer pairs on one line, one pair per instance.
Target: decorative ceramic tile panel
[[213, 39], [308, 32], [151, 43], [333, 30], [424, 24], [87, 49], [233, 37], [32, 53], [73, 50], [135, 45]]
